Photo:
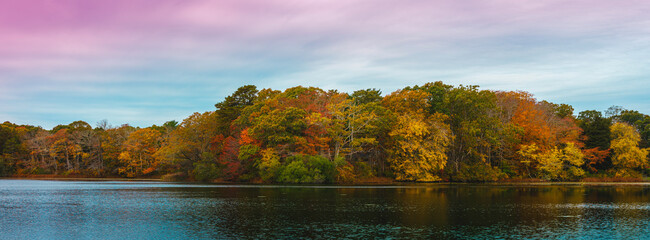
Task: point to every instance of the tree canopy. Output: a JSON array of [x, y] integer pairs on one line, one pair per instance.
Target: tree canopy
[[431, 132]]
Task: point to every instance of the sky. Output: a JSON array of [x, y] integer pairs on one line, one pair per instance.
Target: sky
[[144, 62]]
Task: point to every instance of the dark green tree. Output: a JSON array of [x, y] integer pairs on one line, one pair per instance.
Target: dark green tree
[[366, 96], [438, 99], [596, 129], [230, 108]]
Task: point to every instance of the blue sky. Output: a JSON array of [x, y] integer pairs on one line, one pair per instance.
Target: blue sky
[[146, 62]]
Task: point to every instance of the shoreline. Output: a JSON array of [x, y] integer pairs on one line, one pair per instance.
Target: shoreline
[[98, 179], [370, 183]]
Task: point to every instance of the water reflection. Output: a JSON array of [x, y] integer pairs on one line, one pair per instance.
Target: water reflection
[[117, 210]]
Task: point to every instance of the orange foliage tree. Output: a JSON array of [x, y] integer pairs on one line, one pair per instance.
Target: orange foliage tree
[[138, 155]]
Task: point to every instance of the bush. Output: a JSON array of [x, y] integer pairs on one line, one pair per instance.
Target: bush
[[269, 165], [626, 173], [296, 172], [323, 166], [344, 170], [307, 169], [70, 172], [6, 167], [573, 173], [509, 170], [363, 170], [478, 172], [207, 169], [174, 177], [38, 170]]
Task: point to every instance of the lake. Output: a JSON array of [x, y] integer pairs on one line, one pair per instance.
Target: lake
[[31, 209]]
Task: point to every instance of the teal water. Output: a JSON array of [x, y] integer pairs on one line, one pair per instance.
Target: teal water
[[32, 209]]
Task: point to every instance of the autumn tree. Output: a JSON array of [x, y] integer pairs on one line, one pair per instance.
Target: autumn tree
[[306, 134], [113, 143], [189, 146], [62, 149], [356, 122], [474, 122], [12, 148], [297, 121], [86, 143], [639, 121], [138, 155], [419, 139], [376, 121], [483, 135], [555, 163], [547, 126], [39, 152], [626, 154], [294, 121]]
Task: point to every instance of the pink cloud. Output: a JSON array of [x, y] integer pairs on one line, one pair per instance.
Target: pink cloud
[[70, 44], [80, 33]]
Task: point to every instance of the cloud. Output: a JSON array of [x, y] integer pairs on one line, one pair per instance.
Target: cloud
[[130, 60]]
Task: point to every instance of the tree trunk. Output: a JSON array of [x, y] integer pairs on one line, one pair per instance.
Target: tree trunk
[[67, 159], [101, 157]]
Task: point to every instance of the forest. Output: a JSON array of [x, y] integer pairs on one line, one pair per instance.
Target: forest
[[434, 132]]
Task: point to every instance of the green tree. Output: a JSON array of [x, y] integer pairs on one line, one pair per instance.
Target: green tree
[[306, 169], [473, 118], [596, 129], [231, 107], [366, 96], [353, 126]]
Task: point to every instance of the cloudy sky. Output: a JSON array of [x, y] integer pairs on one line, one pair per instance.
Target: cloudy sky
[[146, 62]]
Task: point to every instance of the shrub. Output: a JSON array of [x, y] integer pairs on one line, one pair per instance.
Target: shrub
[[325, 168], [344, 170], [269, 165], [363, 170], [206, 169], [173, 177], [626, 173], [6, 167], [307, 169], [478, 172], [573, 173], [295, 172]]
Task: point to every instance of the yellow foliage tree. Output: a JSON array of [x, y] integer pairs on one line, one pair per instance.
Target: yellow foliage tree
[[626, 154], [420, 141], [554, 163]]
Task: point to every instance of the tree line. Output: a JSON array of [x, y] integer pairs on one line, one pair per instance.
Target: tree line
[[433, 132]]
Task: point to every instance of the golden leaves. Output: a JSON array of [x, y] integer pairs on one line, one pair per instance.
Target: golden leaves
[[625, 147]]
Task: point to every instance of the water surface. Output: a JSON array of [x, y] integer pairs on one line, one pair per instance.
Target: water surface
[[32, 209]]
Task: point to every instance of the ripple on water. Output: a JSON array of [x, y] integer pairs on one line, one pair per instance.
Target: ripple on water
[[118, 210]]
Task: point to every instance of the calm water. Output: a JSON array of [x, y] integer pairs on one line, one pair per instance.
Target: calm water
[[127, 210]]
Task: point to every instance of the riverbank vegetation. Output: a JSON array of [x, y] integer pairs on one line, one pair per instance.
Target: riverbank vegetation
[[433, 132]]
